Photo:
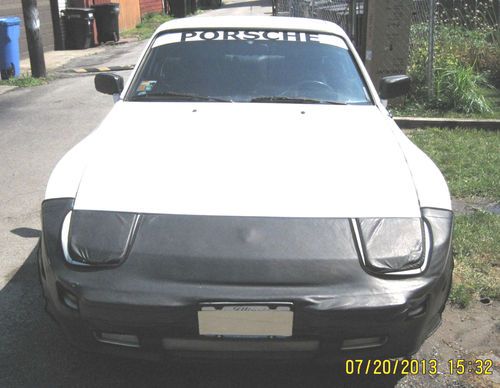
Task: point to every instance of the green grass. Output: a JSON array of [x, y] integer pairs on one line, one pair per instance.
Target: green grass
[[417, 110], [24, 81], [148, 25], [469, 159], [476, 249]]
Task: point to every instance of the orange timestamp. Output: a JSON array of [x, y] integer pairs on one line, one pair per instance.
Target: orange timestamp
[[417, 367]]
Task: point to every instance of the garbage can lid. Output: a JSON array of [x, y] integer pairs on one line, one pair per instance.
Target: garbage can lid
[[84, 13], [107, 5], [10, 21], [83, 10]]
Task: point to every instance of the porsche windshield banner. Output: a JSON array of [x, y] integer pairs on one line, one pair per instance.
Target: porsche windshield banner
[[249, 35]]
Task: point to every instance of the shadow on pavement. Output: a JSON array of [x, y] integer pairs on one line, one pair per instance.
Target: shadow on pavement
[[33, 353], [26, 232]]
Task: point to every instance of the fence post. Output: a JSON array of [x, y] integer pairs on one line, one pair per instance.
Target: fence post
[[352, 13], [430, 61], [364, 31]]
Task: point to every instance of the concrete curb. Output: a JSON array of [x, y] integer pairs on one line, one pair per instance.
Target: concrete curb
[[100, 69], [427, 122]]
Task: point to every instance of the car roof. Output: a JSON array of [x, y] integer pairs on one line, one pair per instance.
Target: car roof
[[252, 22]]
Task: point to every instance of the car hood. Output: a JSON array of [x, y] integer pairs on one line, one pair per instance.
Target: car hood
[[241, 159]]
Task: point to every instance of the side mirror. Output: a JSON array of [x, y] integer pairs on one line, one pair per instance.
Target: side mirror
[[394, 86], [108, 83]]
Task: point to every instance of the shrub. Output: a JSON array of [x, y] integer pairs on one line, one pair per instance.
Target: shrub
[[459, 88], [467, 53]]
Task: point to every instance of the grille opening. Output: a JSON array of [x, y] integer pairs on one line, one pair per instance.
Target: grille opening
[[239, 345], [128, 340]]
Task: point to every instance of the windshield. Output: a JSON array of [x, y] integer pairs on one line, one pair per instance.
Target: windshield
[[249, 66]]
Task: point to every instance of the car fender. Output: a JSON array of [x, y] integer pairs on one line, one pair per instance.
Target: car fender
[[432, 189], [66, 175]]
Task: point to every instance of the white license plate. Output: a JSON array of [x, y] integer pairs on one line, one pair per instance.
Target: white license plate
[[246, 320]]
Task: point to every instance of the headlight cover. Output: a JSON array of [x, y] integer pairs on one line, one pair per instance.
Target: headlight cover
[[404, 246], [98, 238], [392, 244]]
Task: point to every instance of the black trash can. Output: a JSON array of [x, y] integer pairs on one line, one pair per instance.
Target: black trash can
[[179, 8], [79, 28], [106, 19]]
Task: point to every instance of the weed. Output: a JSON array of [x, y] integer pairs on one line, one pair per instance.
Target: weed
[[461, 295], [459, 88], [148, 25], [24, 81], [476, 249]]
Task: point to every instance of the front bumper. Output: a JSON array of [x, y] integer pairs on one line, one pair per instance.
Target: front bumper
[[396, 314]]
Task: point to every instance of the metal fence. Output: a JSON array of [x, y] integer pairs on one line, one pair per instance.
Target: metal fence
[[346, 13], [424, 16]]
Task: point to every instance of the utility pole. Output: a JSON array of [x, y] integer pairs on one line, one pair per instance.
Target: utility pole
[[35, 46]]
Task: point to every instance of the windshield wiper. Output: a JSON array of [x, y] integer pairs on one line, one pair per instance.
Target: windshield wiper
[[184, 96], [295, 100]]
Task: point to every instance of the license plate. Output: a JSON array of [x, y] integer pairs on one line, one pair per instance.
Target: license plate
[[246, 320]]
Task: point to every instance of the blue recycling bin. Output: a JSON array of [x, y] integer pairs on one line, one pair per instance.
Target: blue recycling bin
[[9, 46]]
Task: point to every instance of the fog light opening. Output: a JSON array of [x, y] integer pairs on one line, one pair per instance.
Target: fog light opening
[[69, 299], [417, 311], [128, 340], [363, 343]]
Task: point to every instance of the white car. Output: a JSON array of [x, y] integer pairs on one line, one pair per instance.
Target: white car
[[248, 195]]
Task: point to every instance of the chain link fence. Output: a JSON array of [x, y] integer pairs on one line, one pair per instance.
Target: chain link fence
[[433, 24], [346, 13], [409, 23]]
